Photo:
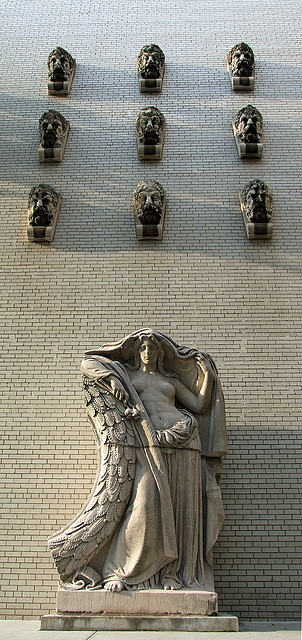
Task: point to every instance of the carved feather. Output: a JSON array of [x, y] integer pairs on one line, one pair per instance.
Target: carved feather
[[79, 542]]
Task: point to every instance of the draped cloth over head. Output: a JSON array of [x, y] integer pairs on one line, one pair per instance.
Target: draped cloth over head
[[183, 361]]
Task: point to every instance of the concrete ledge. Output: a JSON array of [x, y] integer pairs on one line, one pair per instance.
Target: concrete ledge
[[103, 622]]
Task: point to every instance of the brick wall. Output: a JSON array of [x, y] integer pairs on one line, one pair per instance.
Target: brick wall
[[205, 284]]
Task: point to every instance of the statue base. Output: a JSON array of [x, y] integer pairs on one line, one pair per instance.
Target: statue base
[[153, 610]]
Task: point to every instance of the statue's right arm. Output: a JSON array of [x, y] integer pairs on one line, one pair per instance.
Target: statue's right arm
[[94, 369]]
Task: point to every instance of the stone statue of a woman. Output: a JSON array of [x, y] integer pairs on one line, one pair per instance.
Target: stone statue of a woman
[[155, 511]]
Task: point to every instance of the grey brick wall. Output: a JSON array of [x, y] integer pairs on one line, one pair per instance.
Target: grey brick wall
[[205, 284]]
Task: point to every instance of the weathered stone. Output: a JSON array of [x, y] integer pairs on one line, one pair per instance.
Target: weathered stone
[[248, 131], [151, 68], [150, 132], [61, 68], [149, 602], [256, 207], [145, 531], [43, 210], [149, 204], [241, 67], [53, 129]]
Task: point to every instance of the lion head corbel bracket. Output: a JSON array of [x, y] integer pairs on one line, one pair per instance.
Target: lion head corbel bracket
[[53, 130], [248, 132], [43, 210], [256, 208], [149, 204], [241, 67], [150, 133], [150, 68], [61, 66]]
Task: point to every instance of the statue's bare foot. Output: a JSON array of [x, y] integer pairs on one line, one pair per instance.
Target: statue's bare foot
[[171, 583], [114, 585]]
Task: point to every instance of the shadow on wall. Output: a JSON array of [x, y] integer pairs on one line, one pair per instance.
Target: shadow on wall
[[101, 155], [259, 543]]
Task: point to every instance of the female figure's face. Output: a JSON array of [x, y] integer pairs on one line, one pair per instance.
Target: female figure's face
[[148, 351]]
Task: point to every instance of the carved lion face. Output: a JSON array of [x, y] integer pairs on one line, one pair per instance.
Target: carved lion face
[[241, 60], [256, 198], [148, 199], [150, 61], [248, 124], [52, 127], [149, 125], [42, 204], [60, 64]]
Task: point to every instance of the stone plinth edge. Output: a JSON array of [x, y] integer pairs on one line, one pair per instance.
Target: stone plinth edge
[[105, 622], [152, 602]]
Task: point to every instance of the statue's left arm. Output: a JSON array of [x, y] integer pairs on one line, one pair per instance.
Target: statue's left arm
[[198, 403]]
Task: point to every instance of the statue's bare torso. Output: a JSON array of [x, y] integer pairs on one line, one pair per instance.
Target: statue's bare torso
[[158, 396]]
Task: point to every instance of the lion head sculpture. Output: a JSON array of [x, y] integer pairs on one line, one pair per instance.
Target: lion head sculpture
[[149, 202], [150, 61], [248, 125], [60, 65], [150, 124], [256, 201], [52, 129], [241, 60], [42, 205]]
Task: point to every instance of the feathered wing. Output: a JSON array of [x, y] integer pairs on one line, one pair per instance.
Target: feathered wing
[[73, 547]]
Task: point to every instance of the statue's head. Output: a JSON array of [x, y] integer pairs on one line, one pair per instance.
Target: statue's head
[[248, 124], [150, 61], [150, 125], [42, 204], [256, 199], [52, 128], [60, 64], [148, 346], [148, 201], [241, 60]]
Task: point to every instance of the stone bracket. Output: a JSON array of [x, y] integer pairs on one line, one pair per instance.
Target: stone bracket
[[61, 88], [241, 83], [151, 85], [249, 149], [257, 230], [54, 154], [149, 151]]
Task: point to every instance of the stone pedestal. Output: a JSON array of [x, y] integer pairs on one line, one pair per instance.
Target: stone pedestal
[[154, 610]]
